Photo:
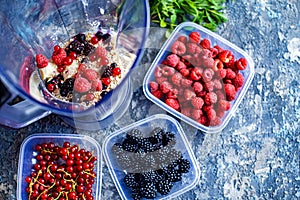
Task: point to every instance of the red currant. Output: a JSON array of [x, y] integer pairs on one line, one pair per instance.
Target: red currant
[[73, 55], [68, 61], [106, 81], [94, 40], [57, 48], [116, 71]]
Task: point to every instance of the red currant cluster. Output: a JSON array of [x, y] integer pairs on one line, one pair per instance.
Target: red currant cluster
[[198, 79], [61, 172]]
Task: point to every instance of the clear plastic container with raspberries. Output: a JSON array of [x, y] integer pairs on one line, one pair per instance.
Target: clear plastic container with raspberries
[[199, 77], [151, 159], [59, 166]]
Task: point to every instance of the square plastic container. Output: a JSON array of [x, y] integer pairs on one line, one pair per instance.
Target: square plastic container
[[155, 158], [27, 158], [184, 29]]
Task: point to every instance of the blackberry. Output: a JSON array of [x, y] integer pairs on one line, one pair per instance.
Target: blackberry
[[134, 135], [148, 163], [173, 175], [67, 87], [99, 35], [167, 138], [88, 49], [146, 145], [113, 65], [184, 165], [106, 38], [130, 180], [129, 145], [164, 187], [107, 72], [58, 80], [136, 193], [148, 191], [103, 93], [157, 135], [150, 176], [80, 37], [75, 46]]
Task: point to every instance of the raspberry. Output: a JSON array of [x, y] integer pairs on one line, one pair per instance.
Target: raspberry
[[220, 94], [187, 59], [221, 73], [158, 94], [153, 86], [211, 114], [173, 103], [59, 56], [205, 43], [185, 72], [229, 91], [91, 74], [189, 94], [192, 48], [225, 56], [178, 48], [172, 94], [172, 60], [230, 74], [157, 72], [207, 61], [182, 38], [238, 81], [167, 71], [216, 121], [196, 73], [176, 79], [161, 79], [165, 87], [220, 113], [217, 84], [186, 111], [218, 64], [194, 37], [220, 49], [82, 85], [208, 74], [101, 52], [198, 87], [197, 102], [207, 53], [223, 104], [41, 61], [210, 98], [209, 86], [180, 65], [241, 64], [97, 85], [231, 63], [214, 52], [196, 114], [186, 82], [203, 120]]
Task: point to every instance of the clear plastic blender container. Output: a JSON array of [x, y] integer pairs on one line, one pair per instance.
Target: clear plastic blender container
[[28, 28]]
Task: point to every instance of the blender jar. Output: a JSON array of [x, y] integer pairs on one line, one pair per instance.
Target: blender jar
[[28, 28]]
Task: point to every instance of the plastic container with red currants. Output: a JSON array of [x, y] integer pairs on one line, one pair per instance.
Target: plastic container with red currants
[[199, 77], [59, 166]]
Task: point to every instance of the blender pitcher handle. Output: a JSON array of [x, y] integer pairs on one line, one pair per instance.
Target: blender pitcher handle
[[16, 112], [4, 94]]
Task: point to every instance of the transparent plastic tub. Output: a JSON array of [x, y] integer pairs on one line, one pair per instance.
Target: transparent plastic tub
[[27, 158], [155, 159], [184, 29]]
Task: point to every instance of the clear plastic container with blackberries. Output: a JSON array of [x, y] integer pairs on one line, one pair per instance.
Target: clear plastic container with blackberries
[[59, 166], [151, 159], [199, 77]]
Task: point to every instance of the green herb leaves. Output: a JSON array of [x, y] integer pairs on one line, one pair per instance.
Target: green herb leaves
[[170, 13]]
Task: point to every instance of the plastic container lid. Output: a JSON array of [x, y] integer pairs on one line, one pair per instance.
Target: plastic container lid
[[27, 157], [123, 162], [184, 29]]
